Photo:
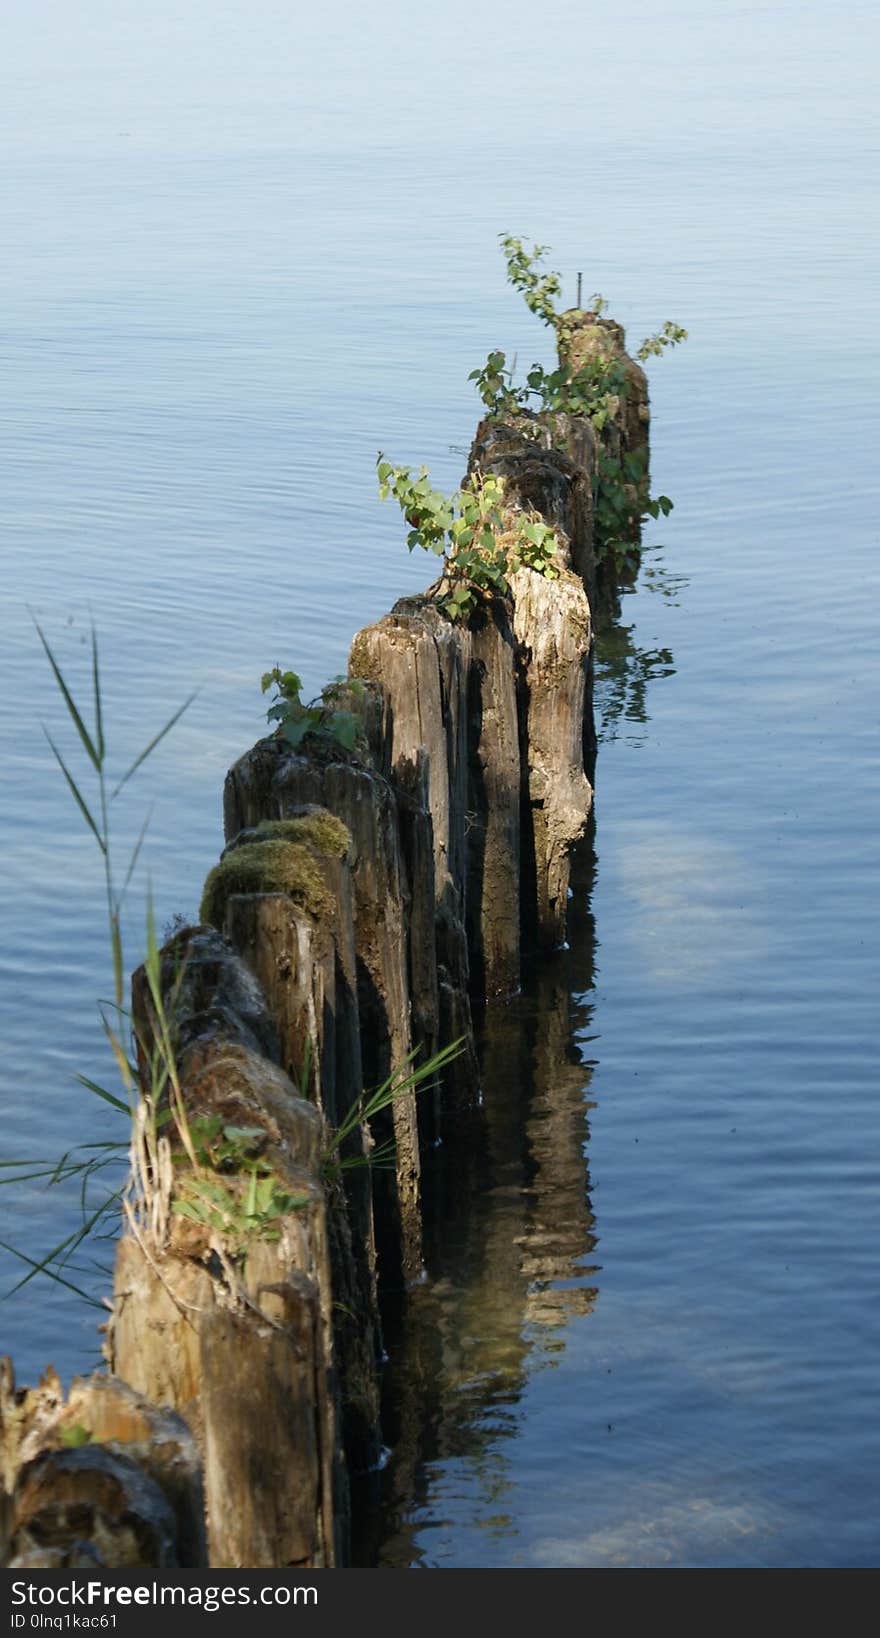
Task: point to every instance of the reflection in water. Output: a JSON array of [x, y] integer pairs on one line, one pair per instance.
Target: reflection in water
[[509, 1253], [623, 670], [510, 1235]]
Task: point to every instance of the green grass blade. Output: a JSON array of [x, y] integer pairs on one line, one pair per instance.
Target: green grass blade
[[156, 740], [101, 1092], [136, 853], [43, 1268], [82, 730], [75, 791], [118, 963], [47, 1168], [61, 1168], [96, 686]]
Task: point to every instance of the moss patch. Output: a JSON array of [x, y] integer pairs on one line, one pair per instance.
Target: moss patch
[[318, 828], [362, 665], [272, 865]]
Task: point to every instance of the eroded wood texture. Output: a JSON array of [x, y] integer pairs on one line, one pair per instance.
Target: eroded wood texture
[[101, 1477], [380, 922], [553, 635]]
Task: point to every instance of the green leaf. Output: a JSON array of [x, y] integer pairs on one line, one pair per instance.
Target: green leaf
[[343, 725], [85, 736], [96, 686], [101, 1092], [75, 791], [295, 732], [156, 740]]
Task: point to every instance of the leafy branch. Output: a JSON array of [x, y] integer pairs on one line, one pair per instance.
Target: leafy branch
[[597, 389], [481, 544]]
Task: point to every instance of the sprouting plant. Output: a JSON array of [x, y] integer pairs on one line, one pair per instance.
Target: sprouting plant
[[87, 1163], [495, 386], [671, 335], [213, 1195], [621, 503], [538, 290], [329, 717], [594, 390], [598, 388], [407, 1078], [481, 545]]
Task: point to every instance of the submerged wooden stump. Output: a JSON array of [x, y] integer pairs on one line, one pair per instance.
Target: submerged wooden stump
[[450, 693], [552, 629]]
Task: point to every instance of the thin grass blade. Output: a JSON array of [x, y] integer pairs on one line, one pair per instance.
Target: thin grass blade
[[96, 686], [75, 791], [101, 1092], [136, 852], [118, 964], [119, 1054], [82, 730], [42, 1268], [156, 740]]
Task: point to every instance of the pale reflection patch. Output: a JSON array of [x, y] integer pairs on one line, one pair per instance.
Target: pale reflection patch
[[693, 897], [676, 1532]]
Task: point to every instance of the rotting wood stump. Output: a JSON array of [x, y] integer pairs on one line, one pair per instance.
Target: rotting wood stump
[[101, 1478]]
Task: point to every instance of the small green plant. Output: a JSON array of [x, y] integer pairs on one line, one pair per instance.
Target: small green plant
[[327, 717], [598, 389], [481, 545], [213, 1197], [654, 346], [539, 290], [621, 503], [593, 391]]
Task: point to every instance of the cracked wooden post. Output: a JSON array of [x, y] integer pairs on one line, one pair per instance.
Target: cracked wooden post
[[451, 690], [186, 1280], [303, 955], [552, 628], [270, 783], [418, 665]]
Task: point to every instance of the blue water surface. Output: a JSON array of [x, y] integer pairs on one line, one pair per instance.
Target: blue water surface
[[244, 252]]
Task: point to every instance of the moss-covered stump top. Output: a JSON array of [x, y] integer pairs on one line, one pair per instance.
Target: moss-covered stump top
[[583, 337], [279, 856]]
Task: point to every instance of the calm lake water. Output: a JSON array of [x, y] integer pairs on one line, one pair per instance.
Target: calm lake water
[[239, 265]]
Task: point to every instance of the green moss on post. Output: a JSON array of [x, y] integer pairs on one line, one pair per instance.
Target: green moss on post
[[273, 865], [319, 829]]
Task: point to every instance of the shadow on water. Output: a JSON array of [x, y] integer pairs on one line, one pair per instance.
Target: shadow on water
[[510, 1233]]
